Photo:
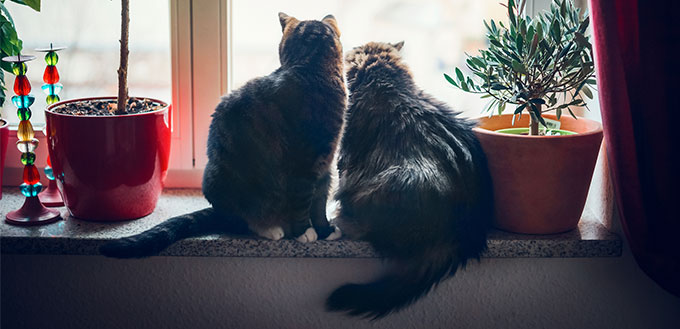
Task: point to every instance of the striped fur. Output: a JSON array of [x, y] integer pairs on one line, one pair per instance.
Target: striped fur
[[413, 182]]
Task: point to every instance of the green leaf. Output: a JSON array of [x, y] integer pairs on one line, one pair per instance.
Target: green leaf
[[488, 27], [519, 109], [555, 31], [534, 44], [5, 12], [519, 42], [584, 25], [537, 101], [498, 86], [450, 80], [479, 62], [511, 14], [460, 76], [587, 91], [572, 113], [35, 4], [471, 84], [565, 50], [518, 67], [558, 113], [537, 114]]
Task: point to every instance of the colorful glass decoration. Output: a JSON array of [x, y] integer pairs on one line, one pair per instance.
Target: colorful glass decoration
[[51, 196], [32, 212]]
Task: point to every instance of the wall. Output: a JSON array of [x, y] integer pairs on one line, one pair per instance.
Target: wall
[[176, 292]]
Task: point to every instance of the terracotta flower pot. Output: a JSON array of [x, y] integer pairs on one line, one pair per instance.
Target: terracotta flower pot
[[109, 168], [540, 182], [4, 138]]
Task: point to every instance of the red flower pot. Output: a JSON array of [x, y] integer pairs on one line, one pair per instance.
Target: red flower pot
[[109, 168], [540, 182], [4, 138]]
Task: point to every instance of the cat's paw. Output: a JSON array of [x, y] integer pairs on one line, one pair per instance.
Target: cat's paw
[[337, 234], [272, 233], [308, 236]]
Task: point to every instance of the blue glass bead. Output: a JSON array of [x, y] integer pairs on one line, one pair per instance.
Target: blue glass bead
[[52, 89], [49, 173], [23, 102], [30, 190]]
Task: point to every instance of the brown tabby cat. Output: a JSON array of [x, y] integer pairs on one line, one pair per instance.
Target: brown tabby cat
[[413, 182], [270, 147]]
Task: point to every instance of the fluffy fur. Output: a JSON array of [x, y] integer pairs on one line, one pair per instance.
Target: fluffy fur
[[413, 182], [270, 146]]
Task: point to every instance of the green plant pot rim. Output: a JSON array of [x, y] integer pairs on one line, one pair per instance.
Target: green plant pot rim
[[525, 130]]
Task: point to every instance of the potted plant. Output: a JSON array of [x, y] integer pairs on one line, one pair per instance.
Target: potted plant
[[110, 154], [541, 164], [10, 45]]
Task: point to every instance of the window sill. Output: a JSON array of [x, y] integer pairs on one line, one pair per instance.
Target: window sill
[[76, 237]]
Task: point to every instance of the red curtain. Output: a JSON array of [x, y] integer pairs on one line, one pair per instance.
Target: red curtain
[[636, 65]]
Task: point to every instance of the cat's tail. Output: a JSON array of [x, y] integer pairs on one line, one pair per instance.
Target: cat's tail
[[407, 281], [161, 236]]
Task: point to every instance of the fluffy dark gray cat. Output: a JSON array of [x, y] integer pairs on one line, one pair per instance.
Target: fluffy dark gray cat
[[270, 147], [413, 181]]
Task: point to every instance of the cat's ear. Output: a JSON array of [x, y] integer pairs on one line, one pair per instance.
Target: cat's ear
[[285, 20], [330, 20], [398, 45]]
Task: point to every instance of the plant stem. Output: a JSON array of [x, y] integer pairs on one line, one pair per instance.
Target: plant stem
[[122, 70], [533, 122]]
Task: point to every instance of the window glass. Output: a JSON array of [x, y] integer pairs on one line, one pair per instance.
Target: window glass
[[437, 34], [91, 31]]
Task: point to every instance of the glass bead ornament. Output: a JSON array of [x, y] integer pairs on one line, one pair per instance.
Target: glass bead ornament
[[52, 89], [27, 146], [19, 68], [25, 131], [22, 86], [31, 174], [30, 190], [51, 58], [23, 102], [49, 173], [32, 212], [24, 113], [51, 75], [51, 196], [51, 99], [27, 158]]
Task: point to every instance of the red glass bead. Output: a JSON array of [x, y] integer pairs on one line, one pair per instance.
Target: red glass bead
[[21, 85], [31, 175], [51, 75], [49, 162]]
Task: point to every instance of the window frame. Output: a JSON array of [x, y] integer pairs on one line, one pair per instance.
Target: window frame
[[200, 46]]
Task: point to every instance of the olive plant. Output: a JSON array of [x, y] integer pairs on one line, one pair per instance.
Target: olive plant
[[532, 61]]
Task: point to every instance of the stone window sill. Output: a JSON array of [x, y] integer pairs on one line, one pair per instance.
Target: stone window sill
[[72, 236]]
